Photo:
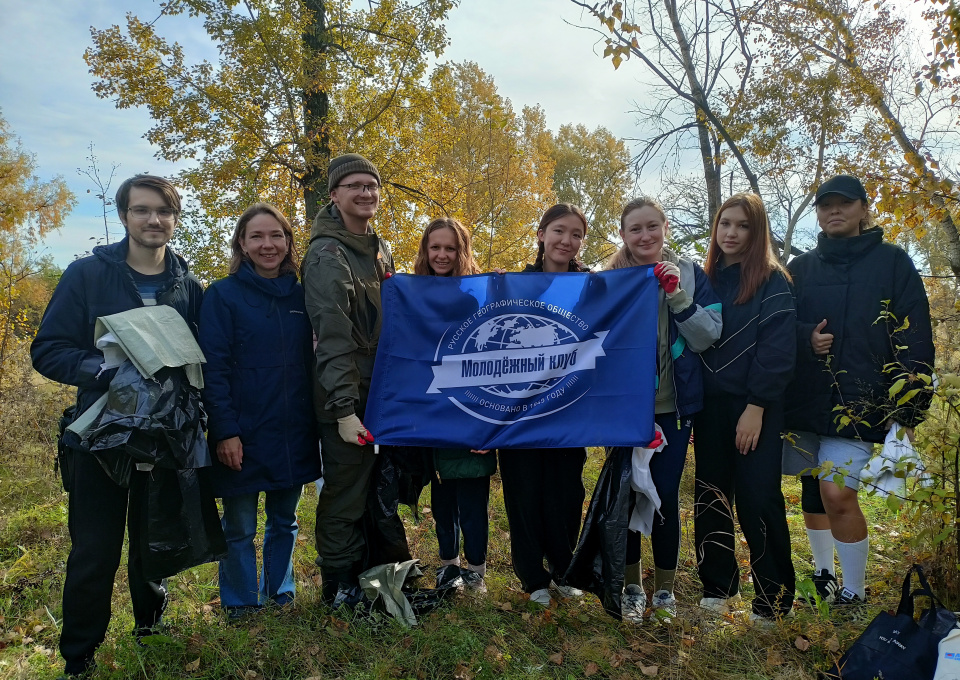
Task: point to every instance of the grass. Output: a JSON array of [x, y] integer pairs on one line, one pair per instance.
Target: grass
[[501, 635]]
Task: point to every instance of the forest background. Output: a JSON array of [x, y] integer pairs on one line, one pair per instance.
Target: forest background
[[728, 96]]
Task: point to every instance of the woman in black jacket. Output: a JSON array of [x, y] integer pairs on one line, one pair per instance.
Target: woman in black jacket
[[863, 322], [737, 434]]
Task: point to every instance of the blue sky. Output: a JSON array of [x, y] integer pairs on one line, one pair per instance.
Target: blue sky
[[530, 48]]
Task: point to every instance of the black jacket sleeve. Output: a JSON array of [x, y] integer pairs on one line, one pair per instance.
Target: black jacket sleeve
[[911, 337], [772, 367]]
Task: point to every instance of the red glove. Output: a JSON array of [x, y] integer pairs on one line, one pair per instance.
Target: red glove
[[657, 441], [669, 276]]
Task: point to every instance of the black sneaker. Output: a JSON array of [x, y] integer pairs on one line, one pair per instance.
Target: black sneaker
[[826, 585], [449, 576], [848, 598]]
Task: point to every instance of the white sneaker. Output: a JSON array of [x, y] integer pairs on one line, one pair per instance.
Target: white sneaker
[[541, 597], [565, 592], [767, 622], [633, 604], [664, 606], [722, 605]]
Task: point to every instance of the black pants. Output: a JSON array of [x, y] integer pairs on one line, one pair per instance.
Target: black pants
[[543, 494], [722, 471], [460, 506], [98, 510]]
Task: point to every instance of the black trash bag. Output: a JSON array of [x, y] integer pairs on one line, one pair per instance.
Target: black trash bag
[[385, 539], [157, 420], [180, 525], [601, 555], [415, 469], [422, 601]]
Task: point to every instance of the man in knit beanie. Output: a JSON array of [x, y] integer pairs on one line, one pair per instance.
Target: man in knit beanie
[[342, 271]]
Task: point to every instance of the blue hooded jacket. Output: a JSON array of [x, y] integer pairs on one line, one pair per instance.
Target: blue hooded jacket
[[257, 340]]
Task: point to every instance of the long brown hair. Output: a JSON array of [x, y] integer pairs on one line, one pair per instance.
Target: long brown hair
[[553, 213], [759, 261], [623, 257], [289, 263], [466, 265]]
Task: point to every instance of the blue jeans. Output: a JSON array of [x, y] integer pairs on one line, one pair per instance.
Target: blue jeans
[[238, 572], [460, 505]]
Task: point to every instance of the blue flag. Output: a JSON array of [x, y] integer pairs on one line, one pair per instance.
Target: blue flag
[[516, 360]]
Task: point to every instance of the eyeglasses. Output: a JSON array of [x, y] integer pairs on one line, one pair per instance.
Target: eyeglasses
[[372, 188], [142, 212]]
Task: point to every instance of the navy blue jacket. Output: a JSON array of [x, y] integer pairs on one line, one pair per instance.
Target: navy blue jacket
[[849, 282], [256, 337], [755, 354], [99, 285]]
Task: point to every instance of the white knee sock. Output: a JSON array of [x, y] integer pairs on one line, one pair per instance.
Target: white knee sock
[[821, 544], [853, 564]]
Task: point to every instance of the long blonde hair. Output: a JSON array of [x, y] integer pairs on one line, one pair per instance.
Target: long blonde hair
[[623, 257], [466, 265]]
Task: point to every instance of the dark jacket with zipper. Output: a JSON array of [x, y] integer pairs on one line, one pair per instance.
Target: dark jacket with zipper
[[755, 354], [99, 285], [256, 337], [342, 273], [850, 282]]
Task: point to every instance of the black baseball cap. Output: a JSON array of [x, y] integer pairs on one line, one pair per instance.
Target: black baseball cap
[[845, 185]]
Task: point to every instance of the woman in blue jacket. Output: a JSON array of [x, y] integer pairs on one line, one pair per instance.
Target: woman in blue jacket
[[737, 434], [689, 322], [256, 337], [460, 487]]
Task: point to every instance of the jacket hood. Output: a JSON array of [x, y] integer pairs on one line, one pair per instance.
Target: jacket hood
[[844, 250], [328, 224], [116, 255], [280, 287]]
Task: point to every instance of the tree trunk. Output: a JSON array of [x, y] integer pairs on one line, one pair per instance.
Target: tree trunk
[[316, 106]]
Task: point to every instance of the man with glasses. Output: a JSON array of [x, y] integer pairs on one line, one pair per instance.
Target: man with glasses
[[342, 271], [138, 271]]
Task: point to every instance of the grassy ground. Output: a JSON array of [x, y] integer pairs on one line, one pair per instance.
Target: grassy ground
[[500, 635]]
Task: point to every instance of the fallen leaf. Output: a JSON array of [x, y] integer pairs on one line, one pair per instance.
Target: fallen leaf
[[192, 666], [802, 643], [649, 671], [206, 609], [688, 640], [525, 616], [37, 629], [462, 672], [774, 658], [407, 641], [313, 650], [833, 644], [591, 669], [556, 658], [616, 660], [255, 631], [492, 653], [250, 675]]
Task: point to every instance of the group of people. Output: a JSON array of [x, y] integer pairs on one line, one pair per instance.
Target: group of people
[[758, 362]]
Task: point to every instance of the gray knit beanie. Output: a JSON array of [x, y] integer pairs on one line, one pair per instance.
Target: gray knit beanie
[[341, 166]]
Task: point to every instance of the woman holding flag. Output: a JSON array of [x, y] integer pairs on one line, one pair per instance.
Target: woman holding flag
[[460, 486], [688, 322], [543, 488]]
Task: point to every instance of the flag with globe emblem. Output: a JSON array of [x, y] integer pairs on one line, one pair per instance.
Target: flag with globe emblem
[[516, 360]]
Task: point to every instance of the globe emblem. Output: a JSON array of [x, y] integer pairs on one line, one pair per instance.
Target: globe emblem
[[516, 331]]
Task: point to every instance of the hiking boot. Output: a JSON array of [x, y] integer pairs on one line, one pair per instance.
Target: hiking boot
[[633, 604], [541, 597], [664, 606]]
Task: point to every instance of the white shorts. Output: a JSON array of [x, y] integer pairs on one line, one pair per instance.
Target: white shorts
[[809, 450]]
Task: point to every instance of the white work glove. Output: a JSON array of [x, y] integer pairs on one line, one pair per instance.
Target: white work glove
[[352, 430]]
